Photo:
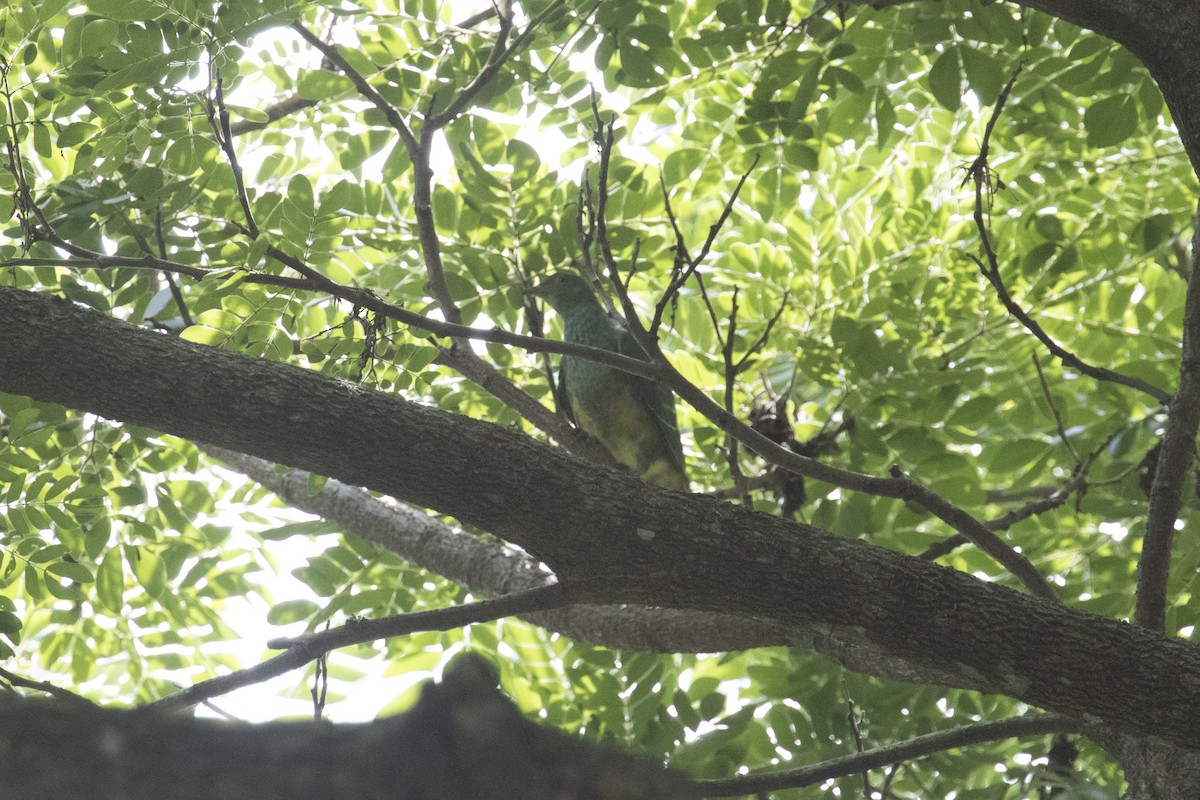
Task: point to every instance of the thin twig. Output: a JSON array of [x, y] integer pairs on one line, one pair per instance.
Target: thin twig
[[540, 598], [176, 293], [899, 485], [764, 337], [677, 281], [364, 87], [604, 139], [1058, 420], [731, 444], [218, 120], [981, 175], [1045, 499], [12, 679]]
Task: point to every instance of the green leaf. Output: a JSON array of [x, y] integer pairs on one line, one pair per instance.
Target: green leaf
[[76, 133], [323, 85], [97, 35], [20, 421], [148, 568], [984, 74], [300, 194], [945, 80], [885, 118], [76, 572], [291, 611], [1111, 121]]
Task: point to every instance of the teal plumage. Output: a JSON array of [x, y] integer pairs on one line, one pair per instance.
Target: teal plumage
[[633, 417]]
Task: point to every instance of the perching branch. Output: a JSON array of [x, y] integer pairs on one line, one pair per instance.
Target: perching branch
[[661, 371], [897, 486]]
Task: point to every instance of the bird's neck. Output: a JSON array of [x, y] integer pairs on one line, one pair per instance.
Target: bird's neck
[[584, 316]]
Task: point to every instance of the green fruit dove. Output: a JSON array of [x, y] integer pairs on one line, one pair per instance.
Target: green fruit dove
[[633, 417]]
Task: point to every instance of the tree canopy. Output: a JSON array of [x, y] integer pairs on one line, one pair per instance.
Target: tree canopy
[[917, 272]]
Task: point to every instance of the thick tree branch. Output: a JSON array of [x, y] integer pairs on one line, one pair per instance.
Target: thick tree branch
[[659, 548], [490, 568], [897, 486], [463, 739]]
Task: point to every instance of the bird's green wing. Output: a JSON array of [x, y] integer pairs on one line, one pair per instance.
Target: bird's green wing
[[562, 391], [656, 398]]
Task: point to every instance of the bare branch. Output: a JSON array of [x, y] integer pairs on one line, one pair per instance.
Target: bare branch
[[1175, 460], [981, 175], [679, 279], [1044, 498], [604, 138], [176, 294], [1058, 420], [218, 120], [549, 597], [363, 86], [305, 649], [12, 680], [918, 747]]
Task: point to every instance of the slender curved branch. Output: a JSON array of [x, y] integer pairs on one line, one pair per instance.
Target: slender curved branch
[[364, 87], [302, 650], [1174, 462], [12, 679], [275, 112], [1044, 499], [549, 597], [918, 747], [218, 120], [981, 175]]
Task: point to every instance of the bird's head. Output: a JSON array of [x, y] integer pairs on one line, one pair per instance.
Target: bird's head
[[564, 290]]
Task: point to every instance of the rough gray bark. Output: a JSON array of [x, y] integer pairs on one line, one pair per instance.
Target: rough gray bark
[[654, 548], [463, 739]]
